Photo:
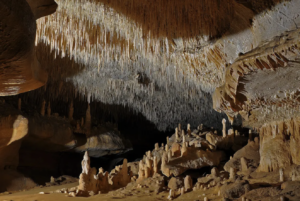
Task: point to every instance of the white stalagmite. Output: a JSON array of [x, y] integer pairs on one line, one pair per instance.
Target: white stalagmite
[[224, 127], [281, 175]]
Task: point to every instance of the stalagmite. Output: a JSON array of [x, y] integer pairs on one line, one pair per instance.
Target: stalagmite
[[169, 155], [20, 104], [168, 139], [181, 191], [49, 110], [205, 199], [155, 165], [141, 172], [184, 150], [183, 139], [176, 134], [171, 195], [250, 135], [215, 172], [244, 166], [224, 127], [85, 164], [281, 176], [43, 108], [232, 173], [188, 183], [167, 148], [164, 169], [189, 132]]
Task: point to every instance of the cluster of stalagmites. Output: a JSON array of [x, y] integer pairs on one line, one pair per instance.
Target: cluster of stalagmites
[[183, 151], [163, 168]]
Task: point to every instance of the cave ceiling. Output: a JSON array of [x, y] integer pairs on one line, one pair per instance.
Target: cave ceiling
[[163, 59]]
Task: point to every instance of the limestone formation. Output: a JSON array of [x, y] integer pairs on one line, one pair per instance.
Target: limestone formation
[[281, 175], [232, 173], [244, 166], [224, 128], [188, 183]]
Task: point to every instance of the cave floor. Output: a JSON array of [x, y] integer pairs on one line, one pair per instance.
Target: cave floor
[[127, 193]]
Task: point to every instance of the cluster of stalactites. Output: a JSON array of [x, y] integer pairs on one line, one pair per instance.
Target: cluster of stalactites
[[96, 35], [127, 66]]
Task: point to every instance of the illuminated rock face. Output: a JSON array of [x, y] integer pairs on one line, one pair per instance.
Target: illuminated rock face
[[163, 67], [13, 128], [20, 69]]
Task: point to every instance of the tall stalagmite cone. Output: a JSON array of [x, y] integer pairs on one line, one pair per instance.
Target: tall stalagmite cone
[[168, 139], [181, 191], [224, 127], [85, 164], [49, 109], [183, 139], [188, 183], [184, 149], [43, 108], [176, 134], [141, 172], [179, 128], [232, 173], [244, 165], [167, 148], [189, 132], [281, 176], [71, 111], [20, 104], [88, 120]]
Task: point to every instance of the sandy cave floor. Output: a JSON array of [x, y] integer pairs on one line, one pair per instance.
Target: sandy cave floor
[[127, 193]]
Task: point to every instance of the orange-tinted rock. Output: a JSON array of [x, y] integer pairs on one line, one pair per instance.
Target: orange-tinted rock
[[20, 70]]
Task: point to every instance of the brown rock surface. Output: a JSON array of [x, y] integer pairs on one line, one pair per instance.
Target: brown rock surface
[[41, 8], [21, 71]]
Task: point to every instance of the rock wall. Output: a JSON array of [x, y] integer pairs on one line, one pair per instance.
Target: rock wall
[[279, 145]]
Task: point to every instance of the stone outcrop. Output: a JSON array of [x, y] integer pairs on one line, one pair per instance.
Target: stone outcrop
[[92, 183], [21, 70], [249, 153], [279, 145], [41, 8], [13, 128]]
